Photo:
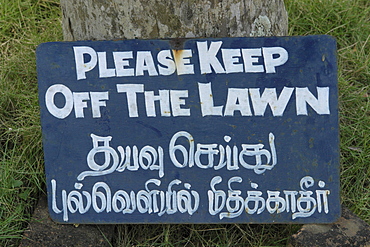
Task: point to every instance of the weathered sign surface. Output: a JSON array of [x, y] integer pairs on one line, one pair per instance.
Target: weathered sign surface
[[229, 130]]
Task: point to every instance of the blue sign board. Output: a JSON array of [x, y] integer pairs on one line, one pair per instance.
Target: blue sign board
[[218, 130]]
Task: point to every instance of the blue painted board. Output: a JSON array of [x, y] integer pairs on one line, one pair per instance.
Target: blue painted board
[[218, 130]]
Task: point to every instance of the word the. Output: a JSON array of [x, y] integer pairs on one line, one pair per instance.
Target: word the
[[304, 206]]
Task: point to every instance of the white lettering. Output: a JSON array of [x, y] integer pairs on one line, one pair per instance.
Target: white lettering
[[131, 90], [144, 61], [206, 101], [165, 58], [250, 58], [256, 202], [148, 158], [98, 100], [231, 60], [103, 67], [76, 100], [304, 97], [164, 103], [81, 66], [268, 97], [80, 103], [54, 110], [208, 59], [182, 61], [121, 62], [270, 59], [177, 100], [237, 100], [148, 201], [166, 62], [191, 156]]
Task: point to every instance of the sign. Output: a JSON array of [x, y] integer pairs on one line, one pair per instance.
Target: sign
[[228, 130]]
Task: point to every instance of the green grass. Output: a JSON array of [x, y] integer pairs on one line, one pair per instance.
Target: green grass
[[23, 25], [27, 23]]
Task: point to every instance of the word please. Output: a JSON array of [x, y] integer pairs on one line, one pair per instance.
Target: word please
[[167, 62]]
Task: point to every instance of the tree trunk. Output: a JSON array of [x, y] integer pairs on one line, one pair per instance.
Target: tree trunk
[[152, 19]]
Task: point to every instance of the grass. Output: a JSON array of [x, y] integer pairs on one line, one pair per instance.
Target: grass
[[23, 25], [27, 23], [205, 235]]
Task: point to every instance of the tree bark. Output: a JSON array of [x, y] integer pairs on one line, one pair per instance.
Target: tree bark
[[152, 19]]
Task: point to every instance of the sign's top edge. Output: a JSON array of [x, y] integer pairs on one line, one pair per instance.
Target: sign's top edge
[[181, 40]]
